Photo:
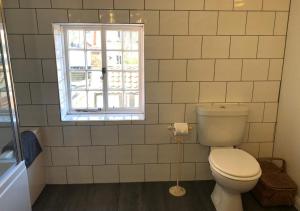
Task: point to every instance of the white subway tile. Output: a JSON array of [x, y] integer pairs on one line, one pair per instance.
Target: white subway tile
[[212, 91], [44, 93], [243, 46], [215, 46], [49, 70], [104, 135], [261, 132], [255, 69], [77, 135], [228, 69], [35, 3], [158, 92], [151, 115], [66, 3], [21, 21], [195, 153], [39, 46], [190, 113], [83, 16], [32, 115], [53, 136], [271, 47], [203, 23], [189, 4], [187, 47], [203, 171], [132, 173], [129, 4], [219, 5], [22, 93], [167, 153], [248, 4], [118, 154], [99, 4], [16, 46], [157, 134], [106, 174], [172, 70], [27, 70], [270, 114], [266, 91], [131, 134], [64, 156], [187, 171], [260, 23], [158, 47], [56, 175], [256, 111], [173, 23], [157, 172], [185, 92], [144, 153], [200, 70], [232, 23], [10, 4], [114, 16], [92, 155], [252, 148], [79, 174], [151, 70], [275, 71], [170, 113], [149, 18], [281, 23], [159, 5], [281, 5], [239, 92], [48, 16]]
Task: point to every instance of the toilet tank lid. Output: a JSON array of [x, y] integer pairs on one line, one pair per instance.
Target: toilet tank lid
[[222, 110]]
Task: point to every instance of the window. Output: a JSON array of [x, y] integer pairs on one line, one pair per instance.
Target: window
[[100, 70]]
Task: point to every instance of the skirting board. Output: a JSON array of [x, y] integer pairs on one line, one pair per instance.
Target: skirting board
[[297, 202]]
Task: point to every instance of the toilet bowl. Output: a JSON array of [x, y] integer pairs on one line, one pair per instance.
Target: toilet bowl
[[222, 127], [235, 172]]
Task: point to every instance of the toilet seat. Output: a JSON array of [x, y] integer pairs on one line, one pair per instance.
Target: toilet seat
[[235, 164]]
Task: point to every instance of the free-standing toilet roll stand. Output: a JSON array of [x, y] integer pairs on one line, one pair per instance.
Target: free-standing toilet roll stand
[[179, 131]]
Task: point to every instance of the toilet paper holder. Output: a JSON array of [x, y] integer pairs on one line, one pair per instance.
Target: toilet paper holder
[[172, 128]]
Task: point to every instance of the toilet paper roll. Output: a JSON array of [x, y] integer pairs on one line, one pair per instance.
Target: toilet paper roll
[[181, 129]]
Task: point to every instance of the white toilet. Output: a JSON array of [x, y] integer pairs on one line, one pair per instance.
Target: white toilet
[[222, 127]]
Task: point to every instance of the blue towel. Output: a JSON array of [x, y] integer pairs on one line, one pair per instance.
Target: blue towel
[[31, 147]]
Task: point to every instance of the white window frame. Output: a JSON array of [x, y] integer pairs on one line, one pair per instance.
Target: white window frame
[[70, 114]]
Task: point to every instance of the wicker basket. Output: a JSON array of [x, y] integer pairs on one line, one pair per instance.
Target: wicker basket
[[275, 187]]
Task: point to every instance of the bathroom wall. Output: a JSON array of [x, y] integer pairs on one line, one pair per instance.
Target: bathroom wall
[[196, 51], [287, 142]]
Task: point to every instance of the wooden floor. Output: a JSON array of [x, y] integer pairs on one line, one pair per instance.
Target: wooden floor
[[134, 197]]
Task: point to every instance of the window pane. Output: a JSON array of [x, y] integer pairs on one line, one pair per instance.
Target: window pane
[[114, 80], [94, 80], [95, 100], [94, 60], [114, 60], [115, 99], [131, 61], [131, 80], [76, 38], [114, 40], [77, 80], [78, 100], [131, 40], [131, 99], [93, 39], [76, 60]]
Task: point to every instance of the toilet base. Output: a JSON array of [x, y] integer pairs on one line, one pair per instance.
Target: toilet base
[[224, 200]]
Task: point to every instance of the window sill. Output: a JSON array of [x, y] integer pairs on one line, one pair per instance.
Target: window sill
[[103, 117]]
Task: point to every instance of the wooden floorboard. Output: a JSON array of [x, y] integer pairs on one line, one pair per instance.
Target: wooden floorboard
[[135, 197]]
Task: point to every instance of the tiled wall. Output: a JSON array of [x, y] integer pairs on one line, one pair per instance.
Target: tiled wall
[[197, 51]]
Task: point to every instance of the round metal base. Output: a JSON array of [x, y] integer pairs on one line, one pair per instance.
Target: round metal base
[[177, 191]]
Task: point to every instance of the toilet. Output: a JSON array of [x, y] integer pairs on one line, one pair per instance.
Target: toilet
[[235, 171]]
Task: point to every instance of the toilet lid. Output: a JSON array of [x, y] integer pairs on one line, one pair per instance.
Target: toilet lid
[[234, 162]]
